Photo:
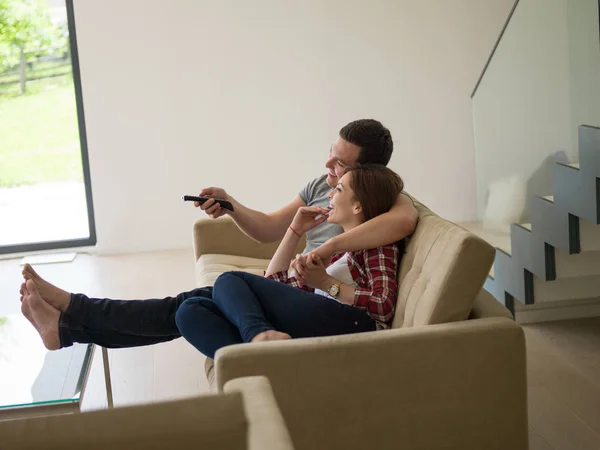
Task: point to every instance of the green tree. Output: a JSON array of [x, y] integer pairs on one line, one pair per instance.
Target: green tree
[[26, 32]]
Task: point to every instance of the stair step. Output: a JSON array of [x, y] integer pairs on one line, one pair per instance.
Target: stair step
[[577, 265], [589, 236], [586, 263], [497, 238], [566, 289]]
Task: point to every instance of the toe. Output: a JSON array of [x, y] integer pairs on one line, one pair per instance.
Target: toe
[[28, 272], [22, 291], [31, 287]]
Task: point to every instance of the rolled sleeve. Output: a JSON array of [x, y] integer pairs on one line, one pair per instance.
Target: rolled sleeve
[[283, 277], [378, 297]]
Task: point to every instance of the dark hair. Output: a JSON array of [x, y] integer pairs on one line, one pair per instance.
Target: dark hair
[[375, 187], [374, 140]]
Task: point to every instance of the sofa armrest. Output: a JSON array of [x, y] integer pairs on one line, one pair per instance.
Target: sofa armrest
[[222, 236], [267, 428], [486, 306], [456, 385], [211, 421]]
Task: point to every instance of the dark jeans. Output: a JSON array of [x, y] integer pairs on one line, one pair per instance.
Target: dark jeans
[[240, 306], [123, 323]]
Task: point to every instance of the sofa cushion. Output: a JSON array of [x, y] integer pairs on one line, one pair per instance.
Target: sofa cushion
[[441, 273], [210, 266]]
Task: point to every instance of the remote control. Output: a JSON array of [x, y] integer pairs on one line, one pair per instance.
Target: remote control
[[224, 203]]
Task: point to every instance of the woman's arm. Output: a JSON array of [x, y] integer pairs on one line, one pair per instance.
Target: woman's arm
[[379, 296], [304, 220], [282, 257], [347, 292]]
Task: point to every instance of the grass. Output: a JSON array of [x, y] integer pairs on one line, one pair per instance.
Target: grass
[[39, 137], [39, 70]]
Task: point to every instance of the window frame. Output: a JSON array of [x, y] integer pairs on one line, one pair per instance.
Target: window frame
[[91, 240]]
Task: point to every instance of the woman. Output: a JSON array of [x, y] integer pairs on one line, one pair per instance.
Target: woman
[[356, 292]]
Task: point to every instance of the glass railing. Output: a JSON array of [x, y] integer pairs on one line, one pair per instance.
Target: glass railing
[[542, 81]]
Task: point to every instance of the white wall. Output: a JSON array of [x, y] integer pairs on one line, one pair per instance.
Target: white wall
[[185, 94], [584, 62], [522, 107]]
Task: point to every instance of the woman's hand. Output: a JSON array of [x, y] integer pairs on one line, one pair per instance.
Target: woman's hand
[[324, 251], [306, 218], [310, 271]]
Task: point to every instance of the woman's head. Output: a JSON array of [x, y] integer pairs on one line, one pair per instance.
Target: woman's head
[[365, 191]]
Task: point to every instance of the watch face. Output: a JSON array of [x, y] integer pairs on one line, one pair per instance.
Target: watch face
[[334, 290]]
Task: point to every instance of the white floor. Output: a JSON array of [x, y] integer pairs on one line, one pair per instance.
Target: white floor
[[139, 375]]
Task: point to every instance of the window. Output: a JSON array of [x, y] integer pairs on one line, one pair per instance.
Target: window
[[45, 187]]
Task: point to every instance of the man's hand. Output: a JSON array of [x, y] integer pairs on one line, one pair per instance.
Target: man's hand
[[210, 207], [324, 252], [310, 271], [306, 218]]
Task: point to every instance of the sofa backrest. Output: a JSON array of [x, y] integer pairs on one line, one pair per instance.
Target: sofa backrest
[[442, 271]]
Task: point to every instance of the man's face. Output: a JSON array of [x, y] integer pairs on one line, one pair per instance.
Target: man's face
[[342, 154]]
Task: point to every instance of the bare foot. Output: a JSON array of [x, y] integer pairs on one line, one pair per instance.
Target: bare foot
[[41, 315], [270, 335], [55, 296], [22, 290]]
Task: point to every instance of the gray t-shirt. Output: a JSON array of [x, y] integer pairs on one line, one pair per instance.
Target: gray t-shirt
[[315, 194]]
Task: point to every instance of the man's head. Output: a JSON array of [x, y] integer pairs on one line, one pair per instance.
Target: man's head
[[364, 141]]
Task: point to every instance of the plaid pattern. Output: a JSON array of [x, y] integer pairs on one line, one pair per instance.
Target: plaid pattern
[[375, 273]]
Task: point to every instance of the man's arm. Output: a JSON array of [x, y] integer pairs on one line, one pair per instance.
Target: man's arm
[[259, 226], [265, 227], [385, 229]]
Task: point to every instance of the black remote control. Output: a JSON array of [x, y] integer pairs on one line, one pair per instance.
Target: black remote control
[[224, 203]]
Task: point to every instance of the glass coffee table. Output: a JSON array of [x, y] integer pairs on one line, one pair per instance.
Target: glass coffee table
[[38, 382]]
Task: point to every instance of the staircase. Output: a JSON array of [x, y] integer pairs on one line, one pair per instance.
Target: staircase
[[556, 256]]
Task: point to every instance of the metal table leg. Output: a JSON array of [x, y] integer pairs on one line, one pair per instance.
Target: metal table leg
[[109, 394]]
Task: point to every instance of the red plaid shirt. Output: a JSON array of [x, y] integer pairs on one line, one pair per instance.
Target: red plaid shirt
[[375, 273]]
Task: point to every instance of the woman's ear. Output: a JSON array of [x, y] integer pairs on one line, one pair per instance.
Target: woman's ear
[[357, 208]]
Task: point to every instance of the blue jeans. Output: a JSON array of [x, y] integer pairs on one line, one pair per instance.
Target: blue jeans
[[240, 306], [249, 304]]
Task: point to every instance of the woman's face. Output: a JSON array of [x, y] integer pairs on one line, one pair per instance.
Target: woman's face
[[346, 210]]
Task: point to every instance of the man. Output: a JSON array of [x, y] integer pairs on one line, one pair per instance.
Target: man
[[361, 141]]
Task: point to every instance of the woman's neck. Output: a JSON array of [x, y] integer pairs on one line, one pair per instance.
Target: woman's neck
[[349, 226]]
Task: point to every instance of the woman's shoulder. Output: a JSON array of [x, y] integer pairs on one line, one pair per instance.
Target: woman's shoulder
[[390, 251]]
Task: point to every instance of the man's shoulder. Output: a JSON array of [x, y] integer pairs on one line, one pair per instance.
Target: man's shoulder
[[314, 188], [317, 182]]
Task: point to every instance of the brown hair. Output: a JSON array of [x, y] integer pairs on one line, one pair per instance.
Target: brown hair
[[375, 187], [374, 140]]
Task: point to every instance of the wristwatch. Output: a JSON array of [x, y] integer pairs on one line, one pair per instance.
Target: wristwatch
[[334, 290]]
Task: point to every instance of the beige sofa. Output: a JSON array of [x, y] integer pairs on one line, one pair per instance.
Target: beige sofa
[[450, 374], [245, 416]]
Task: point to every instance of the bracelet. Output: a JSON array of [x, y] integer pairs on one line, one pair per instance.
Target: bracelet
[[295, 232]]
